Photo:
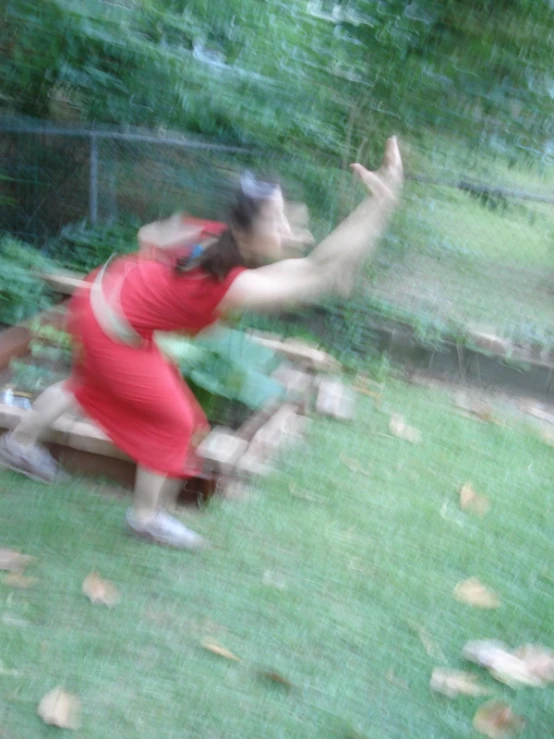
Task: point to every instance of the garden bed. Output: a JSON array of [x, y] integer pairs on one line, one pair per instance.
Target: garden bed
[[243, 443]]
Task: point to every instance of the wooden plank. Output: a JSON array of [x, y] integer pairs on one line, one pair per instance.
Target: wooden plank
[[334, 399], [298, 351], [283, 428], [83, 435], [122, 472], [222, 447]]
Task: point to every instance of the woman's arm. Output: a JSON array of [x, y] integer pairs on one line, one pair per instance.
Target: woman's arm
[[331, 266]]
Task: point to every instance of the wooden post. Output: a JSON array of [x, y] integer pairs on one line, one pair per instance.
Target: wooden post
[[93, 180]]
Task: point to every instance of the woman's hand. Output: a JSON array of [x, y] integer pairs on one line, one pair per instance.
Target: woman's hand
[[386, 182], [298, 238], [333, 265]]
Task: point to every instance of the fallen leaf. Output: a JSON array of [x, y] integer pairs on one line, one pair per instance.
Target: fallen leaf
[[365, 381], [547, 436], [352, 465], [304, 496], [346, 731], [100, 591], [9, 620], [13, 561], [370, 393], [484, 651], [472, 502], [475, 407], [506, 666], [393, 680], [61, 709], [474, 593], [275, 677], [497, 720], [19, 580], [546, 575], [456, 682], [7, 672], [431, 647], [539, 661], [537, 410], [220, 651], [513, 671], [399, 428], [274, 580]]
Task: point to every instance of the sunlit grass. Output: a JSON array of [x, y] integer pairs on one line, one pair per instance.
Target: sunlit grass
[[325, 574]]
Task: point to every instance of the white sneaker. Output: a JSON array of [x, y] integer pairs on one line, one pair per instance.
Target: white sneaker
[[32, 460], [165, 529]]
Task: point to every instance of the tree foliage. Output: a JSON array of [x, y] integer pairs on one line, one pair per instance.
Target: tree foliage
[[288, 74]]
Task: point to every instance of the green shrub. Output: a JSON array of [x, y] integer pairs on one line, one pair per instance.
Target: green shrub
[[22, 292], [83, 247], [225, 365], [50, 359]]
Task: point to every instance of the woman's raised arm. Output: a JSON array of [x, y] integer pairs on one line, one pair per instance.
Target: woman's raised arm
[[331, 266]]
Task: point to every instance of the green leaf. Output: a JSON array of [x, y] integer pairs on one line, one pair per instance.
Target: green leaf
[[257, 390]]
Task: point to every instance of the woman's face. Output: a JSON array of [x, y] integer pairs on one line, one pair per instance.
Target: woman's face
[[269, 229]]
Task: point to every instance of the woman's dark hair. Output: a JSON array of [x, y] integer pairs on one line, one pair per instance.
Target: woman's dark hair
[[222, 255]]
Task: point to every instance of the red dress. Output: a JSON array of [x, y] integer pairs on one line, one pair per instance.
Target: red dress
[[135, 395]]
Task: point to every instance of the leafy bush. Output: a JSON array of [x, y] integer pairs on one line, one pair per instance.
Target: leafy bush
[[22, 292], [50, 360], [225, 369], [83, 247], [225, 364]]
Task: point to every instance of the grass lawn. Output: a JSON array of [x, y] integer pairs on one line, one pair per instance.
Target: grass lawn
[[329, 574], [464, 262], [452, 256]]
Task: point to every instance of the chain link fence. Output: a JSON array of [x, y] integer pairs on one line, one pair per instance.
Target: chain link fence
[[54, 176], [471, 246]]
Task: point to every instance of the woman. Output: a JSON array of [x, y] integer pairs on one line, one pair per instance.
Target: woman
[[122, 381]]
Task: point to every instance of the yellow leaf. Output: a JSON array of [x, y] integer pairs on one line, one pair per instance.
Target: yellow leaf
[[539, 661], [61, 709], [19, 580], [431, 647], [475, 407], [472, 502], [497, 720], [547, 436], [220, 651], [474, 593], [14, 561], [456, 682], [275, 677], [393, 680], [370, 393], [484, 651], [399, 428], [513, 671], [100, 591], [531, 665], [352, 465]]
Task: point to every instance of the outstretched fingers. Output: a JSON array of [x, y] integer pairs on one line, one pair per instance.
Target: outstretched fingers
[[373, 181], [391, 168], [389, 176]]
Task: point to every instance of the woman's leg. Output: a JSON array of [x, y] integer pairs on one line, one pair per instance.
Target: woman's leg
[[147, 517], [151, 488], [20, 450], [47, 408]]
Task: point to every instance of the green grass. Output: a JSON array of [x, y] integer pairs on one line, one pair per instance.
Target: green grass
[[467, 263], [452, 256], [364, 560]]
